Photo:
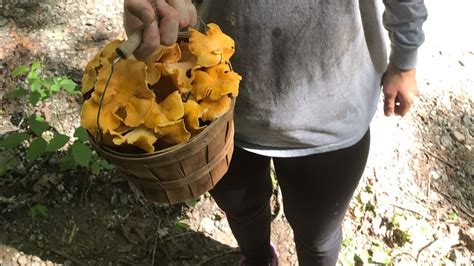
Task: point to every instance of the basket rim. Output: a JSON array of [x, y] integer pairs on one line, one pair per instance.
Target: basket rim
[[140, 156]]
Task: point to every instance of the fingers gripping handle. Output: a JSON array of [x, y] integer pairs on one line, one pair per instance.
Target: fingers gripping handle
[[128, 47]]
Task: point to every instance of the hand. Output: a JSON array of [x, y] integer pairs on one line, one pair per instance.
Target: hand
[[399, 89], [172, 14]]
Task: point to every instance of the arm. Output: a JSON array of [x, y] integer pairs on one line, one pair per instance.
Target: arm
[[172, 14], [403, 19]]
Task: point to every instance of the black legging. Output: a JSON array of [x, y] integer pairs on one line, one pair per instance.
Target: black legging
[[316, 192]]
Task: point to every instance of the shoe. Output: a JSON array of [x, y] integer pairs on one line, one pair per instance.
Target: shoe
[[273, 260]]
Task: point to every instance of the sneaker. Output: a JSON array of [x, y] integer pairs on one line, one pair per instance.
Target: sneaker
[[273, 260]]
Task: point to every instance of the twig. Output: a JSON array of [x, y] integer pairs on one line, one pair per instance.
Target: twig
[[72, 234], [401, 254], [218, 256], [15, 204], [461, 207], [85, 191], [425, 247], [442, 160], [57, 252], [166, 254], [154, 250], [5, 200], [178, 235], [427, 217]]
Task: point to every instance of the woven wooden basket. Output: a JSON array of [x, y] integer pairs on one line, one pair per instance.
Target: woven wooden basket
[[181, 172]]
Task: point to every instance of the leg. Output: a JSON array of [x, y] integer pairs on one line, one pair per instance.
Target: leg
[[244, 195], [316, 192]]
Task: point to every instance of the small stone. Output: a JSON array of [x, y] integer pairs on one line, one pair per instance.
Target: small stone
[[423, 114], [458, 136], [452, 255], [434, 175], [453, 229], [469, 168], [446, 141], [457, 194], [444, 177], [68, 263], [20, 169], [3, 22], [207, 225], [123, 199], [466, 120], [16, 256], [22, 260]]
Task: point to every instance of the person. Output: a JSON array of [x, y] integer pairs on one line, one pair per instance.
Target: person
[[312, 75]]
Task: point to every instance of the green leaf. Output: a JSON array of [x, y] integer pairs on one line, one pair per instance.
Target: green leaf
[[20, 70], [68, 85], [58, 141], [182, 225], [55, 87], [35, 85], [34, 97], [35, 65], [191, 203], [82, 154], [81, 134], [32, 77], [37, 147], [18, 92], [453, 215], [3, 168], [8, 161], [47, 82], [106, 165], [37, 124], [66, 163], [38, 209], [44, 94], [13, 140], [95, 167]]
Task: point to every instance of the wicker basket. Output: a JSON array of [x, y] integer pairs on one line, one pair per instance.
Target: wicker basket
[[181, 172]]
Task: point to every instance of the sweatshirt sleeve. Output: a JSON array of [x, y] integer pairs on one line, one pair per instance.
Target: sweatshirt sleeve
[[404, 19]]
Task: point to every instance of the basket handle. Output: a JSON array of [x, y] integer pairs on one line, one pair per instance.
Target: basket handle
[[128, 47], [124, 51]]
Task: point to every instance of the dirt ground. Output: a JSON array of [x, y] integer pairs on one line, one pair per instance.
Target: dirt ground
[[414, 205]]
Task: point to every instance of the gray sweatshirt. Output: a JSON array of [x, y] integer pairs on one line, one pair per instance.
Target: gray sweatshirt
[[312, 68]]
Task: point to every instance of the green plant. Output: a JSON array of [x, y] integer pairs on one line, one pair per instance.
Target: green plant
[[80, 154], [35, 135], [453, 215], [40, 87], [38, 210], [403, 226], [365, 198]]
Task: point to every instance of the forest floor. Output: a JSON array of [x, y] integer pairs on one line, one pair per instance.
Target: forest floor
[[414, 204]]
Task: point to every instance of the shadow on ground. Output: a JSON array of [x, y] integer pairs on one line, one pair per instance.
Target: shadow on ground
[[89, 219], [96, 220], [445, 162]]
